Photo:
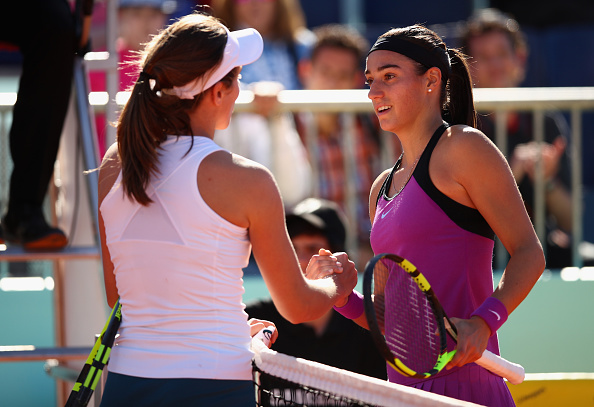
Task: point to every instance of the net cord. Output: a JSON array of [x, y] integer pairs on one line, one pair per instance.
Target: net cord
[[355, 386]]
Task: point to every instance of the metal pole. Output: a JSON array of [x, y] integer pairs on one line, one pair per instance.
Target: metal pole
[[576, 186]]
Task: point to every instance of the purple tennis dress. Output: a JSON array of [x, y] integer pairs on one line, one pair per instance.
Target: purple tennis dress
[[452, 245]]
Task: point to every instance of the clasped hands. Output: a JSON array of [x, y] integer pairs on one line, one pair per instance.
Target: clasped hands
[[336, 266]]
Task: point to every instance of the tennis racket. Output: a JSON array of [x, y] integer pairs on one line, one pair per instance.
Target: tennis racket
[[408, 324], [98, 358]]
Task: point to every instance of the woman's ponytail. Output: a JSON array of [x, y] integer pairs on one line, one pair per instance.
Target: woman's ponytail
[[138, 140], [179, 54], [459, 105]]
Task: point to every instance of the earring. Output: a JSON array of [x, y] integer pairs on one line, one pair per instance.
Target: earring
[[429, 90]]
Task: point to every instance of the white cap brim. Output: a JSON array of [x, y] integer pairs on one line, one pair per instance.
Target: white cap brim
[[251, 46], [243, 47]]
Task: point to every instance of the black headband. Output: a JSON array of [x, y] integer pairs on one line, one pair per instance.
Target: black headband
[[428, 56]]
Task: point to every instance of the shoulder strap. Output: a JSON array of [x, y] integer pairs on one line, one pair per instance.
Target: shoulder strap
[[467, 218], [388, 180], [431, 144]]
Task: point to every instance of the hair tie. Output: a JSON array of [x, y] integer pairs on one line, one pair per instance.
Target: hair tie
[[451, 54], [144, 77]]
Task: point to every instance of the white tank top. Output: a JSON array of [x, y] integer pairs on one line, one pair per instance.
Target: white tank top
[[178, 268]]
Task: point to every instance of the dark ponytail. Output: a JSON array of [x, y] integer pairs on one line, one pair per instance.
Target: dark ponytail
[[459, 101], [182, 52]]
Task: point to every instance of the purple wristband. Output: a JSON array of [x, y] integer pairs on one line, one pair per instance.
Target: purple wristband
[[354, 307], [493, 312]]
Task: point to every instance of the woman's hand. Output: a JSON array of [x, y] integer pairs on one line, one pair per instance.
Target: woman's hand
[[473, 335], [346, 281], [266, 97], [335, 265], [525, 157], [323, 265], [256, 325]]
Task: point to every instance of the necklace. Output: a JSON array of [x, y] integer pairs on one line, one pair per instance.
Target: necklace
[[414, 164], [410, 173]]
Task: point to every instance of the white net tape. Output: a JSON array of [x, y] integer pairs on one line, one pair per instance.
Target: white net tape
[[341, 382]]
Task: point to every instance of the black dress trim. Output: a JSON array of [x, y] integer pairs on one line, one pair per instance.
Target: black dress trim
[[467, 218]]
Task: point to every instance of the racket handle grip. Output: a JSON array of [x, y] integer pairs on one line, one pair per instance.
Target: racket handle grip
[[265, 335], [513, 372]]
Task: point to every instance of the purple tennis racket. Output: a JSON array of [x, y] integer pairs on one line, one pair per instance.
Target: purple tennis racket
[[409, 325]]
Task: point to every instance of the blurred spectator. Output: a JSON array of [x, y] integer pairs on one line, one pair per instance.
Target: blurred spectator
[[557, 31], [332, 339], [138, 20], [268, 137], [499, 53], [286, 38], [336, 63], [43, 31]]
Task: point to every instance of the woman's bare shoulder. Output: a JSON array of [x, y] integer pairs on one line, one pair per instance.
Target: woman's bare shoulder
[[109, 170], [465, 137], [466, 145], [223, 175], [236, 169]]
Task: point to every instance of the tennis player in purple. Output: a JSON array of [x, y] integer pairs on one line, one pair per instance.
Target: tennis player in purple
[[443, 202]]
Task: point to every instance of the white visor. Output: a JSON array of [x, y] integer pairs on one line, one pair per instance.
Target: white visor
[[243, 47]]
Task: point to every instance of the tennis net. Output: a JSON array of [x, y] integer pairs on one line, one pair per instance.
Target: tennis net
[[282, 380]]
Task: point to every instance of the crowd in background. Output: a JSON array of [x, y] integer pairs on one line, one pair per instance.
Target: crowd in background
[[549, 35], [311, 45]]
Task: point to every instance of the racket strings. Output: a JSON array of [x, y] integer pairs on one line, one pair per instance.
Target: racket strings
[[411, 330]]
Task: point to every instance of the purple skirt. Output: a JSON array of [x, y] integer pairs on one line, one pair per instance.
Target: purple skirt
[[470, 383]]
